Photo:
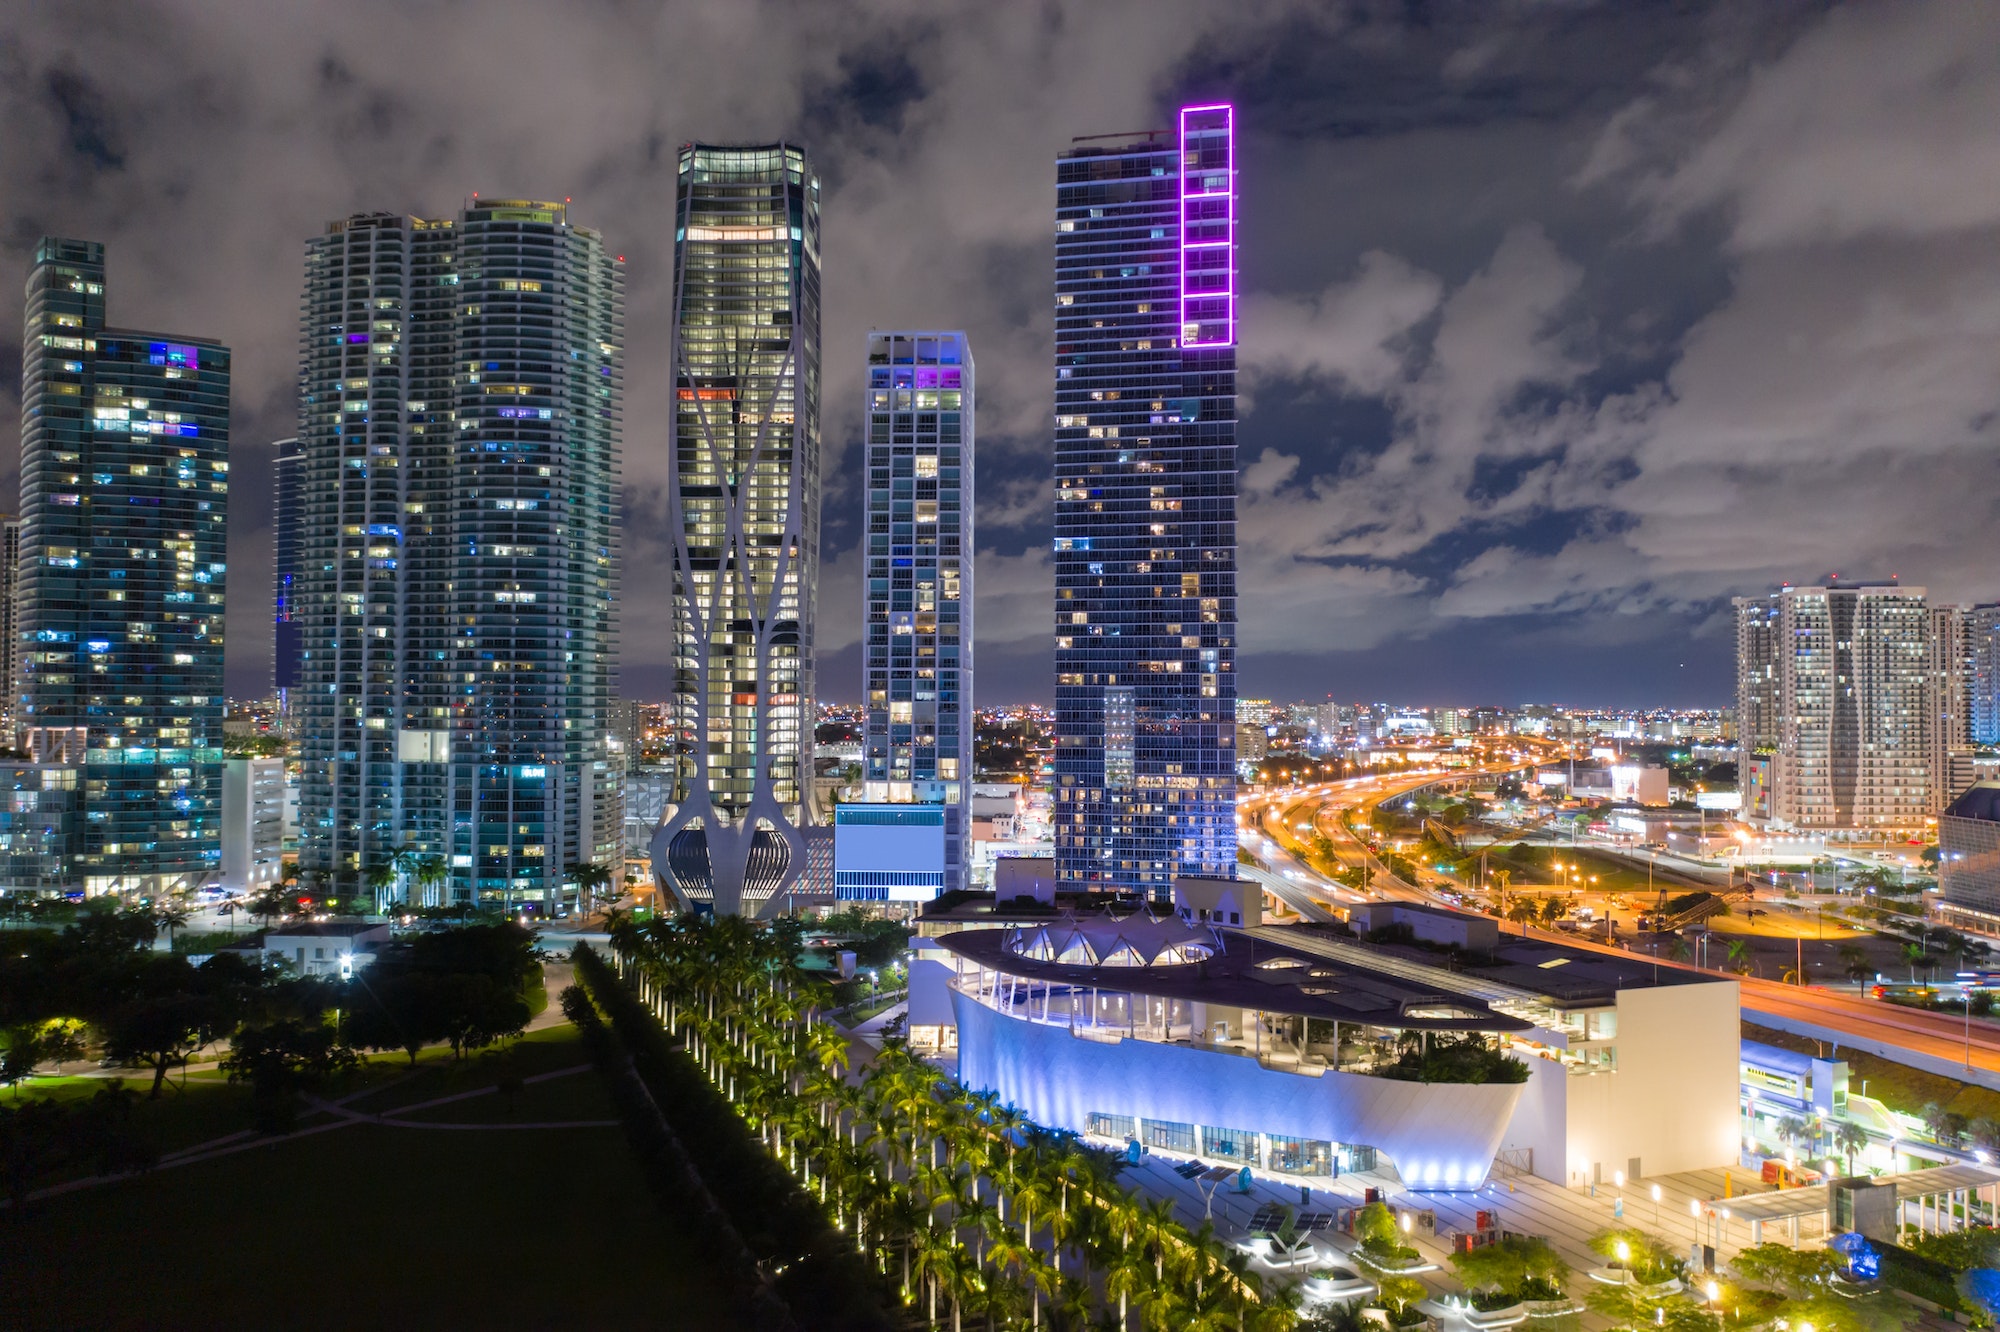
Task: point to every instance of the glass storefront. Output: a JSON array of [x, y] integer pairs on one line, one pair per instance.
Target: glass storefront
[[1291, 1156]]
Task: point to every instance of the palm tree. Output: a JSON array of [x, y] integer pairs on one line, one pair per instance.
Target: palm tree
[[934, 1250], [169, 917], [1739, 956], [1072, 1304], [380, 878], [1850, 1138], [431, 872], [1128, 1275], [590, 878]]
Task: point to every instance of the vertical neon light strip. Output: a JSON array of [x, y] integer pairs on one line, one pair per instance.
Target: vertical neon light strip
[[1197, 331]]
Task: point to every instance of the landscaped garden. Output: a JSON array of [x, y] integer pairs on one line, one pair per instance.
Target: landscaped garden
[[956, 1205]]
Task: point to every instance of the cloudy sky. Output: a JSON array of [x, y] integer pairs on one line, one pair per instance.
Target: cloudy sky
[[1566, 322]]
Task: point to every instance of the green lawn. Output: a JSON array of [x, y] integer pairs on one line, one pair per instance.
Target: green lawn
[[373, 1225]]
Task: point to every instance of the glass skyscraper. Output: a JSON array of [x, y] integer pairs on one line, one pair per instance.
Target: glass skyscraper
[[745, 488], [459, 435], [1145, 521], [124, 503], [918, 600]]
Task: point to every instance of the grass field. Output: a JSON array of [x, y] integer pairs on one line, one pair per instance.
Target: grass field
[[1532, 865], [1777, 924], [372, 1225]]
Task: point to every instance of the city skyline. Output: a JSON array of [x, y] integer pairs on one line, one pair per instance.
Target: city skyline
[[1519, 418]]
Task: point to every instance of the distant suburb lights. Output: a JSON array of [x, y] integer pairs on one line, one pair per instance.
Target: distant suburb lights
[[1208, 226]]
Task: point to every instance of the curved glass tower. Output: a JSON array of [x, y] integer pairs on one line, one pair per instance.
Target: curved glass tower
[[744, 449], [461, 384], [1145, 521]]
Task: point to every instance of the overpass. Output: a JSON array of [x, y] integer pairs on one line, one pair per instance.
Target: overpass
[[1949, 1045]]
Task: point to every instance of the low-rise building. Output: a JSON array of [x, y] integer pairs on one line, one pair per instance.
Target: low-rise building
[[1428, 924], [889, 852], [320, 947], [1202, 900], [1969, 860], [253, 823], [1304, 1053]]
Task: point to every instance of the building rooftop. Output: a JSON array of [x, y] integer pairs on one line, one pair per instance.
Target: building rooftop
[[1165, 958], [1776, 1057], [1980, 801], [326, 929]]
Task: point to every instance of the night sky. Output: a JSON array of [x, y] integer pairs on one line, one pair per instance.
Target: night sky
[[1565, 322]]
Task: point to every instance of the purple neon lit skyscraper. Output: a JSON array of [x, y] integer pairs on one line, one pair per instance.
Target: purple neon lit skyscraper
[[1145, 526]]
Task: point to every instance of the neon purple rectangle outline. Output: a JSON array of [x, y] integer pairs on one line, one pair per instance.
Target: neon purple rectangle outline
[[1229, 195]]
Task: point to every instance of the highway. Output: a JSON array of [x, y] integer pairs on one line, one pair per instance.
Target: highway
[[1939, 1042]]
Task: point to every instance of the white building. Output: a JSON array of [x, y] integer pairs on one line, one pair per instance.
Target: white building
[[889, 852], [1286, 1049], [324, 948], [254, 801]]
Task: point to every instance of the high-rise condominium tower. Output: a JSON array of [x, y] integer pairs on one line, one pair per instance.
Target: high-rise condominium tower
[[285, 569], [744, 458], [1982, 633], [1145, 525], [1850, 671], [1758, 620], [124, 501], [918, 602], [459, 434]]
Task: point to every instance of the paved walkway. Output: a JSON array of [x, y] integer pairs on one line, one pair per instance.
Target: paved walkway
[[396, 1118]]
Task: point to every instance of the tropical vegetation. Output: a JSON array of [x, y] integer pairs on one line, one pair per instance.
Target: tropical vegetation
[[958, 1202]]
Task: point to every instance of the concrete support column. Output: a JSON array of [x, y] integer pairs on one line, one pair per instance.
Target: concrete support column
[[1756, 1234]]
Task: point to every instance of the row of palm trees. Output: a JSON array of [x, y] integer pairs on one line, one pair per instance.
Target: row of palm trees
[[967, 1206]]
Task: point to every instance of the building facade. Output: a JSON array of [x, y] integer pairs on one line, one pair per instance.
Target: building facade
[[1982, 641], [1948, 675], [253, 823], [743, 446], [1757, 671], [285, 643], [1869, 702], [122, 571], [1280, 1051], [10, 647], [461, 391], [1145, 517], [1854, 696], [917, 605], [1969, 860]]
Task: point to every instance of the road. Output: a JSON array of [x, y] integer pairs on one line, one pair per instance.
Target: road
[[1942, 1043]]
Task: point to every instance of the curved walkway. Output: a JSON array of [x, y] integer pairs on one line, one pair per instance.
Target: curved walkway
[[395, 1118]]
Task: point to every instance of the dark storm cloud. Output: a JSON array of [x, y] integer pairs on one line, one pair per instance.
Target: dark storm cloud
[[1565, 320]]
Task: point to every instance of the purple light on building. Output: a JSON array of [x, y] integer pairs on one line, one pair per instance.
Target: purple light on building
[[1208, 226]]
